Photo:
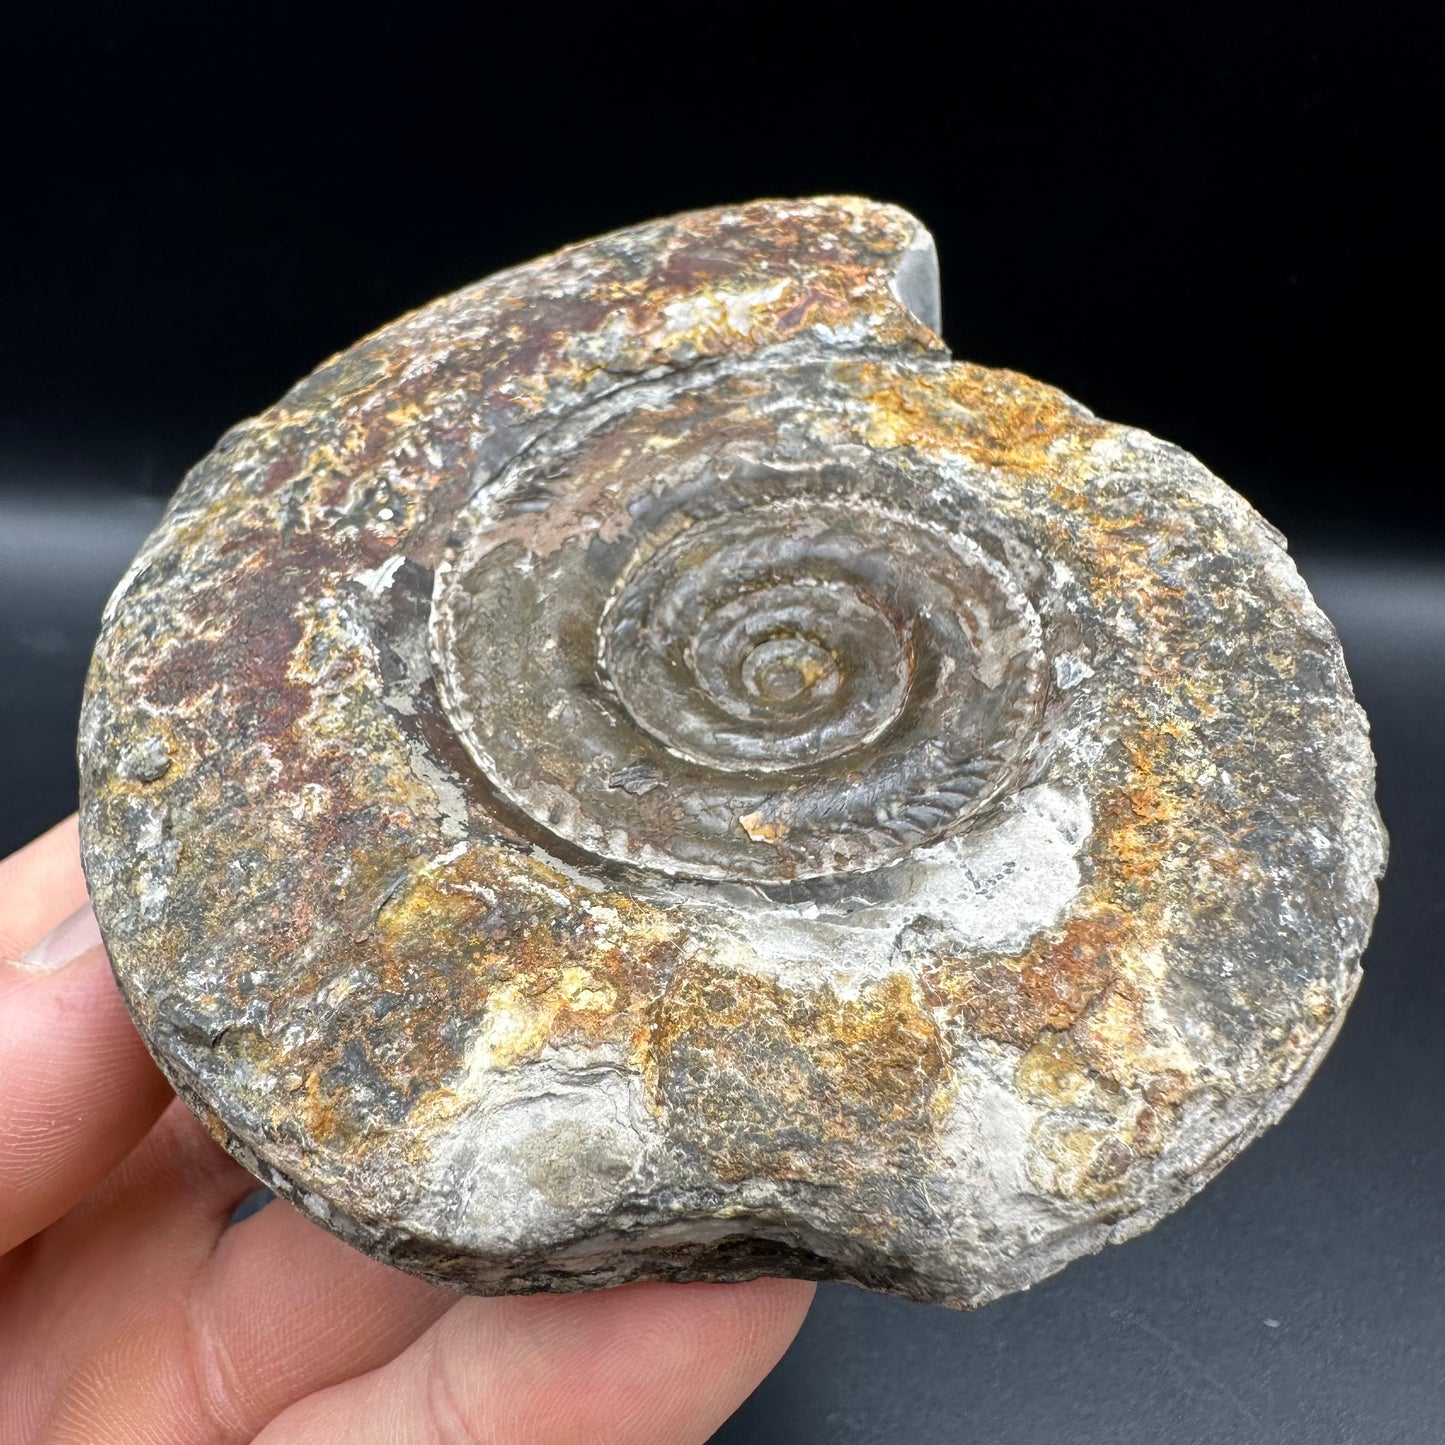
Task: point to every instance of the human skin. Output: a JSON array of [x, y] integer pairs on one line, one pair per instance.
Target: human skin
[[131, 1310]]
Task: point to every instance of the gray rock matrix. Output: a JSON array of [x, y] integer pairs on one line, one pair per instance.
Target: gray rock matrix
[[646, 768]]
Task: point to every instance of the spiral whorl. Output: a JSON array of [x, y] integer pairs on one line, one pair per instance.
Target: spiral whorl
[[746, 653], [645, 768]]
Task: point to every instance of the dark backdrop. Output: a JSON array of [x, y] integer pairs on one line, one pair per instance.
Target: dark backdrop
[[1213, 222]]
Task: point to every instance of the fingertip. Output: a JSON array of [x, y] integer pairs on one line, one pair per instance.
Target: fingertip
[[39, 885], [646, 1362], [758, 1310], [651, 1364], [77, 1093], [670, 1324], [77, 933]]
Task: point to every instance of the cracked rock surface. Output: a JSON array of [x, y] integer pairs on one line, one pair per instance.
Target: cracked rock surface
[[647, 768]]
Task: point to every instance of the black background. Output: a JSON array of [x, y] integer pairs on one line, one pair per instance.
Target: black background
[[1217, 223]]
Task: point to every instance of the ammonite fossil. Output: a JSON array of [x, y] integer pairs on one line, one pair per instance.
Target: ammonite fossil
[[647, 768]]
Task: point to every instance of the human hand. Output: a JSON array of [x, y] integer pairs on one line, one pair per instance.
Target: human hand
[[131, 1312]]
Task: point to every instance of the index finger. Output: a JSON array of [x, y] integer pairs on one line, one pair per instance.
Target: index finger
[[77, 1089], [39, 886]]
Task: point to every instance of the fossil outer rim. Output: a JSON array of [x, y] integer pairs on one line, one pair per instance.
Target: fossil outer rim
[[479, 1050]]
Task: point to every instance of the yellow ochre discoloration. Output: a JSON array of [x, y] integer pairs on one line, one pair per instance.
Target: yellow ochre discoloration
[[998, 419], [1093, 975], [362, 959], [797, 1082]]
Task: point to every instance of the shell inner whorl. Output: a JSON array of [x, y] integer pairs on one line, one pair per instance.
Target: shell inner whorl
[[709, 635], [768, 639]]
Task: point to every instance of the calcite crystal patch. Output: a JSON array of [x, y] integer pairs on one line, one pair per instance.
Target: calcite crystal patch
[[647, 768]]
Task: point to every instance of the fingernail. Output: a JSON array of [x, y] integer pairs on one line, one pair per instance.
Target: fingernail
[[64, 943]]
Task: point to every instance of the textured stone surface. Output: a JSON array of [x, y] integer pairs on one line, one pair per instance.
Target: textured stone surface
[[647, 768]]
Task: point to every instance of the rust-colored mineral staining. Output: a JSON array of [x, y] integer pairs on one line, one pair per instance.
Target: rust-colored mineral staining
[[1014, 998], [647, 768], [797, 1083]]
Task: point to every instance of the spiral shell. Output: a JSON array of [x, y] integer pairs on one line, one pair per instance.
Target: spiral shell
[[646, 768], [757, 631]]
